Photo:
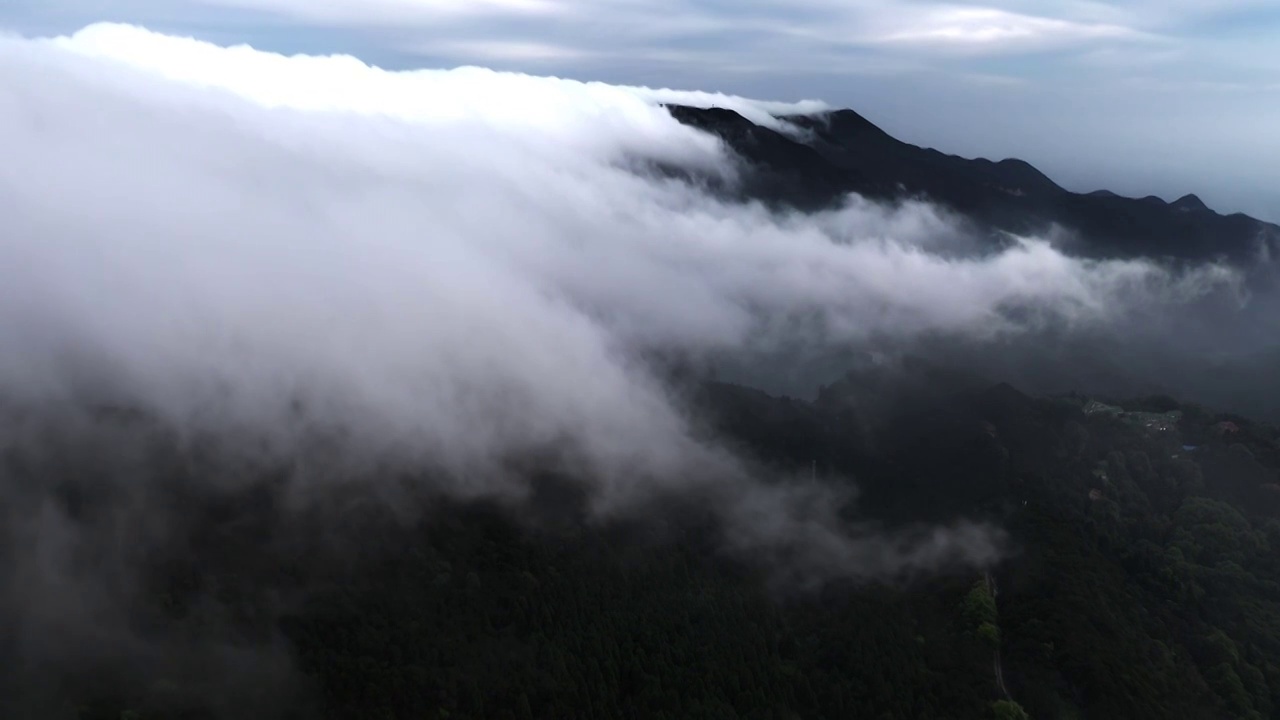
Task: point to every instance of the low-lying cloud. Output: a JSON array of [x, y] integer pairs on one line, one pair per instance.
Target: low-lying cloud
[[454, 270]]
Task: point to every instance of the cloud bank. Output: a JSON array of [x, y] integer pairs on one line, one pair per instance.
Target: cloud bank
[[455, 271], [1137, 97]]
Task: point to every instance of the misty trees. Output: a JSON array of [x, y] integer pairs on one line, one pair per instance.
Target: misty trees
[[1159, 599], [1008, 710], [979, 612], [603, 632], [1209, 532]]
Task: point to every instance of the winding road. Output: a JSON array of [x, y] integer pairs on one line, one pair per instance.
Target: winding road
[[993, 590]]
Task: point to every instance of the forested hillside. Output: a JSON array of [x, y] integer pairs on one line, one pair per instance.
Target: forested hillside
[[1140, 582]]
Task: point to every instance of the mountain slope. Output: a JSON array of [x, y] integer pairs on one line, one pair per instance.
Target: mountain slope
[[833, 154], [1142, 582]]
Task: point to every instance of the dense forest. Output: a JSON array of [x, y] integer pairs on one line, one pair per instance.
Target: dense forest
[[1139, 581]]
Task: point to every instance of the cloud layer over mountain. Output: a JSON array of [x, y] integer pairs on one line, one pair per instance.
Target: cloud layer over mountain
[[456, 270]]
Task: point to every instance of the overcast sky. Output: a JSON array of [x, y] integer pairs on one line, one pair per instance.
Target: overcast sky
[[1140, 96]]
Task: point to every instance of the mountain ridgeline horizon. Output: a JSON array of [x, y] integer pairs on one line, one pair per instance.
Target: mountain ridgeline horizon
[[813, 161], [1219, 349]]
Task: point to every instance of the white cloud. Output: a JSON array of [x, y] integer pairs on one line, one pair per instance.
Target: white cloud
[[384, 12], [453, 268], [829, 48], [345, 83], [991, 29], [500, 50], [1130, 58]]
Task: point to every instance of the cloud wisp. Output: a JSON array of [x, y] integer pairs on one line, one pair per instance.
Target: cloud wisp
[[990, 30], [452, 269]]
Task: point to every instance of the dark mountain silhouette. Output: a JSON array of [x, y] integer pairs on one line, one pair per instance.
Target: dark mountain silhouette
[[1190, 203], [819, 159]]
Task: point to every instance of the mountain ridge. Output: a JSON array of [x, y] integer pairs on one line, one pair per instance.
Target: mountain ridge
[[816, 160]]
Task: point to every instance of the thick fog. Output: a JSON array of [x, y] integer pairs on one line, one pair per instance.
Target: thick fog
[[445, 269]]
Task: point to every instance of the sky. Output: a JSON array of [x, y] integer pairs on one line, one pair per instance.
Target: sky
[[1141, 97]]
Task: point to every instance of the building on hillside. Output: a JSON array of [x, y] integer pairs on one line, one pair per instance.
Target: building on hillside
[[1155, 422], [1226, 427]]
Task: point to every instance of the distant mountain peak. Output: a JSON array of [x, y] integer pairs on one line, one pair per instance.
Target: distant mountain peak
[[1190, 202], [839, 152], [846, 123]]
